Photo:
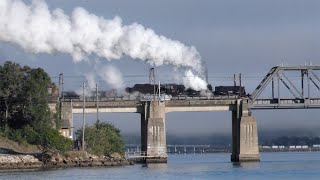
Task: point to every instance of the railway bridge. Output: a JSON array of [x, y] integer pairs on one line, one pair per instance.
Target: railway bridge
[[283, 94]]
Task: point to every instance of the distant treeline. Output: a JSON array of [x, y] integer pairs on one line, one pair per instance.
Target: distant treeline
[[224, 140], [219, 140], [291, 141]]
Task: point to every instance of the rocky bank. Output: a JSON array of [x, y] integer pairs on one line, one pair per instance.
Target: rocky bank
[[57, 160], [19, 162]]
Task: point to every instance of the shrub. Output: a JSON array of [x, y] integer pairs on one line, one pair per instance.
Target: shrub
[[102, 139]]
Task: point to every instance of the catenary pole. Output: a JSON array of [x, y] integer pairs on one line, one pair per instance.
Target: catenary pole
[[83, 115], [97, 96]]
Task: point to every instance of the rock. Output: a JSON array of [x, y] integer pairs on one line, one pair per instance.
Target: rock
[[98, 163], [19, 162], [56, 160], [116, 155]]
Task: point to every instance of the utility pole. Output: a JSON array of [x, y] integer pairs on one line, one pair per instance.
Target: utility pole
[[97, 96], [6, 123], [83, 115], [159, 90], [61, 82], [240, 84], [152, 80], [234, 84]]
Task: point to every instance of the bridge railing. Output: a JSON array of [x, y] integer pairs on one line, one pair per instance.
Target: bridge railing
[[124, 98], [286, 103]]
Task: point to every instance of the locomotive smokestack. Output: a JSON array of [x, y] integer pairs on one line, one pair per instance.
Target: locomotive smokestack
[[152, 77], [206, 74]]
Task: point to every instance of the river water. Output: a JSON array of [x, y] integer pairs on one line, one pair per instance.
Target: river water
[[283, 165]]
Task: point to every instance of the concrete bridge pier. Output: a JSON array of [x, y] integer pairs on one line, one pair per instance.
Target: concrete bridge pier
[[244, 134], [153, 133], [66, 120]]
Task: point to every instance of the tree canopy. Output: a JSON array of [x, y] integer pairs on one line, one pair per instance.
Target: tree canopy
[[102, 139], [24, 111]]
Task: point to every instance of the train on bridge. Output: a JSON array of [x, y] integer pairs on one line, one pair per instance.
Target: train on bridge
[[167, 92], [180, 90]]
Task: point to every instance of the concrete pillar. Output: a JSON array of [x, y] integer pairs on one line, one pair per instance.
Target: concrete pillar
[[244, 134], [66, 120], [153, 133], [144, 123]]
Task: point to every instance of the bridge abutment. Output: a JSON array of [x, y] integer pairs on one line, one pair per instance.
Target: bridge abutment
[[244, 134], [153, 133]]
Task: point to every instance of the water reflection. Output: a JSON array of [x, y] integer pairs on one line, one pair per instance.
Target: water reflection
[[249, 165], [156, 166]]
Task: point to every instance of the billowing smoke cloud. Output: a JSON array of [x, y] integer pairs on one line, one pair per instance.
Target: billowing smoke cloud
[[194, 82], [109, 74], [38, 30], [112, 76], [90, 85]]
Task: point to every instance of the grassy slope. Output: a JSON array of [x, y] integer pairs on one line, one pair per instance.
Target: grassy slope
[[24, 148]]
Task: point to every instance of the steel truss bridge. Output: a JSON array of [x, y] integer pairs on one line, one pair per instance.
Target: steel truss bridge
[[301, 83], [284, 87]]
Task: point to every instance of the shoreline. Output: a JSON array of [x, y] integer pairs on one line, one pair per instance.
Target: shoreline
[[12, 162], [56, 160]]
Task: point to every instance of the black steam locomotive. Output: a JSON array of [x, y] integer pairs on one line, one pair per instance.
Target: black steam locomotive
[[170, 89], [181, 90], [173, 89], [229, 90]]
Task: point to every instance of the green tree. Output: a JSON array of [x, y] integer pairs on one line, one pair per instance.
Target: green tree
[[24, 111], [24, 96], [11, 75], [102, 139], [51, 140]]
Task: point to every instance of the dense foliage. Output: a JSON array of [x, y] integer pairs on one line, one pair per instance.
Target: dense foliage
[[24, 111], [102, 139]]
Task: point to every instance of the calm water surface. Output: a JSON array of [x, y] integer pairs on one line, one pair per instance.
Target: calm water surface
[[289, 165]]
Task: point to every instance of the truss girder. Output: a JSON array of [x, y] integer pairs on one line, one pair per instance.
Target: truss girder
[[300, 100]]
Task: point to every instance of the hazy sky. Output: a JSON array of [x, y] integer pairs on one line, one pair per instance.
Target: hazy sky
[[232, 36]]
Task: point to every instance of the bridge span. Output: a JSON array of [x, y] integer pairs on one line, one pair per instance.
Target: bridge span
[[153, 137], [244, 126], [133, 106]]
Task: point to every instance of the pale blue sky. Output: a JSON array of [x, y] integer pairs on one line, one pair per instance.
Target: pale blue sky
[[232, 36]]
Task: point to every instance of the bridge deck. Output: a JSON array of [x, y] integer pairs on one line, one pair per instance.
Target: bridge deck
[[286, 103], [134, 106]]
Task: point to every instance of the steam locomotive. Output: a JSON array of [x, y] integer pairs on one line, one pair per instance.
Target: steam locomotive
[[181, 90], [230, 90], [173, 90]]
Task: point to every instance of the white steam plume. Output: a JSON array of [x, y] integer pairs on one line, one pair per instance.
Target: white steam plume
[[90, 85], [112, 76], [37, 29], [194, 82], [109, 74]]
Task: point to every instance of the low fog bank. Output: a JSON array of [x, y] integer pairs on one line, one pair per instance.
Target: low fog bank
[[224, 139]]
